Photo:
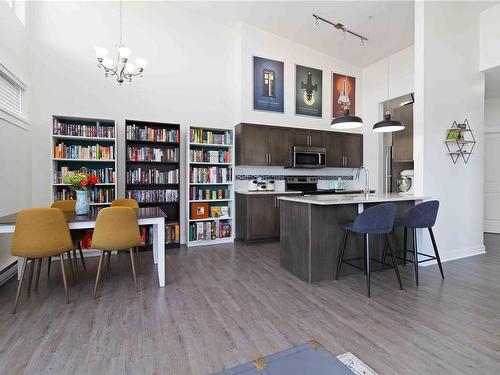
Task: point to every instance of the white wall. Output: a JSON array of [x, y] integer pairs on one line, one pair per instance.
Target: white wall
[[15, 145], [386, 79], [489, 53], [180, 84], [449, 87], [257, 42], [492, 114]]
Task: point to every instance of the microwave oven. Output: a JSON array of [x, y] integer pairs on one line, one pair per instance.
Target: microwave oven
[[309, 157]]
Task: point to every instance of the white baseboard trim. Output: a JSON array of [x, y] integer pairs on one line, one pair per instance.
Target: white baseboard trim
[[457, 254]]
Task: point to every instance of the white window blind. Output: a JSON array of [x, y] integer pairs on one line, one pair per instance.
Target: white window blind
[[10, 95]]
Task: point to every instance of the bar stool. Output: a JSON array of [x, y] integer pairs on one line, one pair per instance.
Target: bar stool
[[375, 220], [422, 215]]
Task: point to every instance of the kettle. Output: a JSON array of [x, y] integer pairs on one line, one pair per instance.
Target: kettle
[[252, 185]]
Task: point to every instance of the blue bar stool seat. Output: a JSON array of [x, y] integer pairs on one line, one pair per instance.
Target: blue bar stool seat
[[422, 215], [377, 220]]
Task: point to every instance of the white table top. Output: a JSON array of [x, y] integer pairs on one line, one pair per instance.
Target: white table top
[[336, 199]]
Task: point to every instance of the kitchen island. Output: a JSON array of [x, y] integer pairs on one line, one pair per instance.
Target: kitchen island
[[311, 231]]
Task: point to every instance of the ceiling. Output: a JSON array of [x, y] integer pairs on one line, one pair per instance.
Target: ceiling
[[388, 25]]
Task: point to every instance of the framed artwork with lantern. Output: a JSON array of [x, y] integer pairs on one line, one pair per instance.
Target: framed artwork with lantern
[[343, 94]]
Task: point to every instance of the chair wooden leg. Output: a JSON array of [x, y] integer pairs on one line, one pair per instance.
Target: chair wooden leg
[[415, 254], [132, 260], [367, 246], [138, 257], [19, 286], [436, 252], [405, 244], [81, 256], [48, 267], [30, 277], [38, 269], [63, 272], [71, 270], [98, 274], [393, 257], [341, 255]]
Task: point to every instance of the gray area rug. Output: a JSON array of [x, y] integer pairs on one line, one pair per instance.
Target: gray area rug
[[310, 358]]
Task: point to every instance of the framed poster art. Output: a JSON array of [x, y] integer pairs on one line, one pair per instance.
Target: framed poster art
[[343, 94], [308, 91], [268, 85]]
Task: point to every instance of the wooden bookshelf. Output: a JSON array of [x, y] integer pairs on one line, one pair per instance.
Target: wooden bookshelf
[[70, 133], [152, 149], [210, 174]]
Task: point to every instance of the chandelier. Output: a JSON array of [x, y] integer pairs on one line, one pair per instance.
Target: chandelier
[[122, 69]]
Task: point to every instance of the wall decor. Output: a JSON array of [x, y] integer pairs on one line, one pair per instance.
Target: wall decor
[[268, 85], [343, 94], [308, 91], [460, 141]]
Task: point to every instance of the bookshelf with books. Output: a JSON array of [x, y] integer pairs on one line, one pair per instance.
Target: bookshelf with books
[[86, 145], [152, 173], [210, 191]]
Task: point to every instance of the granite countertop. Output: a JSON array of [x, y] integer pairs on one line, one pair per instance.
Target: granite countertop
[[335, 199], [276, 192]]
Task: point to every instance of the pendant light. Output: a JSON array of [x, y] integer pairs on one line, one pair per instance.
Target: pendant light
[[346, 120], [388, 125]]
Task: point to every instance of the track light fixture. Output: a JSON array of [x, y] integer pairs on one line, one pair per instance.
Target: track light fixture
[[339, 26]]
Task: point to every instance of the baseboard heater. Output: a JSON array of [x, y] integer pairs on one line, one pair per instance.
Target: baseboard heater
[[8, 272]]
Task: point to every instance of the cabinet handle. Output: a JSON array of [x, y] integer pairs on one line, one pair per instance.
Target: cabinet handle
[[275, 205], [346, 161], [310, 140], [269, 158]]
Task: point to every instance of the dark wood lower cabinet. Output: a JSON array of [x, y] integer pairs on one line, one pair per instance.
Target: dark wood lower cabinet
[[257, 216]]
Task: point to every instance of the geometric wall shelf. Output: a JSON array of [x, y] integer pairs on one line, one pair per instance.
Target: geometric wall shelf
[[460, 141]]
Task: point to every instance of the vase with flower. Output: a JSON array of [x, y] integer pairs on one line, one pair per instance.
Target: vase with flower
[[81, 184]]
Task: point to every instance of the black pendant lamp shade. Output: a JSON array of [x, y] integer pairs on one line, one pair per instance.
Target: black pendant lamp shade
[[346, 121], [388, 125]]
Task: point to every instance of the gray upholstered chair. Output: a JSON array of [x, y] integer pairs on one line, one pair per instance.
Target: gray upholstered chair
[[422, 215], [377, 220]]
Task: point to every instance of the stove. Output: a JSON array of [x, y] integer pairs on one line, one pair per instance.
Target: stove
[[308, 185]]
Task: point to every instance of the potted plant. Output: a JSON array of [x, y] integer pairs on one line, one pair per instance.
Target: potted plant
[[81, 183]]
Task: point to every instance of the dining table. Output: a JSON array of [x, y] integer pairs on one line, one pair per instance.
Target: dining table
[[145, 216]]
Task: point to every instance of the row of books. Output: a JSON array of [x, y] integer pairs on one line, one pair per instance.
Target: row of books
[[172, 233], [197, 193], [154, 154], [211, 175], [209, 156], [219, 137], [105, 175], [209, 230], [146, 133], [152, 176], [80, 130], [154, 196], [97, 152], [96, 195]]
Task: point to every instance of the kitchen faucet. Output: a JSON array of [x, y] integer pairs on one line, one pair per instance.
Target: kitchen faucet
[[366, 190]]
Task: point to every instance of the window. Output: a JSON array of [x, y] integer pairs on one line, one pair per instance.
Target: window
[[12, 93]]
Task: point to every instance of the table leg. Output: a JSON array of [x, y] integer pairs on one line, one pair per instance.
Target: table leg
[[155, 243], [160, 248]]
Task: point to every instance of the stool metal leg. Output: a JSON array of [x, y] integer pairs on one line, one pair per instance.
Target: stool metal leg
[[436, 252], [367, 269], [384, 255], [341, 255], [405, 244], [415, 254], [393, 257]]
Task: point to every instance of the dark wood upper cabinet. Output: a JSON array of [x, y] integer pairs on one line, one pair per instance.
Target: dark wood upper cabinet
[[251, 145], [402, 141], [279, 146], [333, 144], [262, 145], [352, 146]]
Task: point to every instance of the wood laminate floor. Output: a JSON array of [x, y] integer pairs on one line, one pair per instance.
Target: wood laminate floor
[[227, 305]]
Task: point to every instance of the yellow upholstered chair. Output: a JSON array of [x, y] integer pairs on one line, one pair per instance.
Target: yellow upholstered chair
[[68, 206], [125, 202], [116, 228], [40, 233]]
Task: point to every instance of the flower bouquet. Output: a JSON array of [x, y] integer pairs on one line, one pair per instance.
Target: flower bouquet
[[81, 183]]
